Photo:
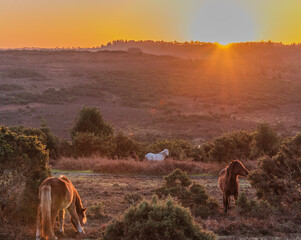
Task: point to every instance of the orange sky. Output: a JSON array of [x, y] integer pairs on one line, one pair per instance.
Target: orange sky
[[88, 23]]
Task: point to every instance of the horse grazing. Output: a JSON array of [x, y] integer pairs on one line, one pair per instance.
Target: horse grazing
[[56, 195], [228, 181], [157, 156]]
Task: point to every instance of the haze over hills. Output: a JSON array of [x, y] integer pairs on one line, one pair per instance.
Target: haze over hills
[[207, 91]]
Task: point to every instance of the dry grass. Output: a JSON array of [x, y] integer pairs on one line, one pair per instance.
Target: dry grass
[[129, 166]]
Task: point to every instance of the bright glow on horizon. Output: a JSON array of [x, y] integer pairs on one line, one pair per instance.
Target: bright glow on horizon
[[88, 23]]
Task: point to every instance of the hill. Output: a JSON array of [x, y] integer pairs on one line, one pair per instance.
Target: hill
[[154, 96]]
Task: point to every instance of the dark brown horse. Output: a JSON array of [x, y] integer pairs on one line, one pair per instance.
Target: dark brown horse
[[56, 195], [228, 181]]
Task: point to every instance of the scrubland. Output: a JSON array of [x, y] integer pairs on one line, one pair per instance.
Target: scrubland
[[208, 111]]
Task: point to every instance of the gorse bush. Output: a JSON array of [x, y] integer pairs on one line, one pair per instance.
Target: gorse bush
[[229, 146], [125, 146], [154, 220], [177, 184], [277, 179], [253, 208], [44, 135], [266, 140], [23, 167], [92, 135], [90, 121], [240, 144]]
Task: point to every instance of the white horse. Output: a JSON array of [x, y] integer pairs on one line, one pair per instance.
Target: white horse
[[157, 156]]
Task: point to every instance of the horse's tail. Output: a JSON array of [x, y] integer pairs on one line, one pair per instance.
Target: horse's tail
[[45, 204]]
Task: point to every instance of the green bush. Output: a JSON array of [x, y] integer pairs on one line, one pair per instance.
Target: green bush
[[23, 167], [177, 184], [156, 220], [44, 135], [229, 146], [125, 146], [90, 121], [253, 208], [277, 179], [87, 144], [266, 140], [179, 149]]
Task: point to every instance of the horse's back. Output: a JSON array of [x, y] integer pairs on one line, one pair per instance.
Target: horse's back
[[154, 157], [60, 188]]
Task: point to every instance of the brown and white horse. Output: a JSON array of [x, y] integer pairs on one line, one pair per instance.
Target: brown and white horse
[[228, 181], [56, 195]]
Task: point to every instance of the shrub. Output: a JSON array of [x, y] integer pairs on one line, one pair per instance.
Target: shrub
[[95, 211], [229, 146], [90, 121], [253, 208], [156, 220], [178, 149], [266, 140], [23, 167], [178, 185], [133, 198], [86, 144], [277, 179], [125, 146], [44, 135]]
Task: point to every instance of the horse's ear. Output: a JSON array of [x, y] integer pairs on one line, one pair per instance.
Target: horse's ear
[[84, 210]]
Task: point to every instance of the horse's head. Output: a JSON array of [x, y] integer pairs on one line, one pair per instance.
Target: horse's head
[[82, 216], [166, 152], [238, 169]]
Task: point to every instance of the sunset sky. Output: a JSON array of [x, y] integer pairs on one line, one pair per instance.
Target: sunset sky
[[88, 23]]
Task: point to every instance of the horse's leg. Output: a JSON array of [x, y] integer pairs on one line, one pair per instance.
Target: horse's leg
[[229, 200], [62, 219], [235, 198], [225, 202], [38, 233], [75, 220], [54, 213]]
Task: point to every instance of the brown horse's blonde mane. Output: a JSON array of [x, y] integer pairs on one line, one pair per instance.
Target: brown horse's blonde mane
[[78, 203]]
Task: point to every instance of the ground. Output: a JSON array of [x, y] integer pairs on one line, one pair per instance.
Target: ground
[[107, 196]]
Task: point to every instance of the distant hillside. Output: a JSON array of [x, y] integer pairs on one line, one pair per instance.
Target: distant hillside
[[149, 96], [202, 49]]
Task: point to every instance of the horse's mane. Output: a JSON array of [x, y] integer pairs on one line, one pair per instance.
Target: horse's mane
[[78, 202], [228, 168]]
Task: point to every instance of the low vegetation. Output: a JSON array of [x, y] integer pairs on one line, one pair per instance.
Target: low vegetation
[[23, 167], [277, 179], [130, 166], [156, 220], [177, 184]]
